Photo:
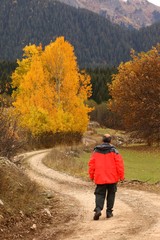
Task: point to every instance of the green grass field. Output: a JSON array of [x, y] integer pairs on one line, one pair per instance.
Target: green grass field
[[141, 163]]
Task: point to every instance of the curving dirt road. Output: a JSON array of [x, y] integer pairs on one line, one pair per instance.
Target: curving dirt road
[[136, 213]]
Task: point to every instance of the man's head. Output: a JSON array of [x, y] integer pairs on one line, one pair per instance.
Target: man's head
[[107, 138]]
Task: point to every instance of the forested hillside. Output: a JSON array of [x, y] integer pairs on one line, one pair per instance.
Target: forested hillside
[[147, 37], [96, 40]]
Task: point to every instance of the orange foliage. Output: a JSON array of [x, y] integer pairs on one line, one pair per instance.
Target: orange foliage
[[135, 92], [51, 91]]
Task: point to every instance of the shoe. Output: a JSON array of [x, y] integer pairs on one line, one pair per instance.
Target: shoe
[[97, 215], [109, 215]]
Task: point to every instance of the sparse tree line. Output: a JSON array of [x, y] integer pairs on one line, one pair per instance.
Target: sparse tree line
[[45, 94]]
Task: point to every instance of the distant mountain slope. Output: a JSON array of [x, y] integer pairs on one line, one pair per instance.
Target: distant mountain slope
[[96, 40], [133, 13]]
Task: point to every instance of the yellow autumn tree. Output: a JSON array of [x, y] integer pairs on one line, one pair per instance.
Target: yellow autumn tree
[[50, 89], [135, 92]]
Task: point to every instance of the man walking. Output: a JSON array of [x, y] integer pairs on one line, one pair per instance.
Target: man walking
[[106, 168]]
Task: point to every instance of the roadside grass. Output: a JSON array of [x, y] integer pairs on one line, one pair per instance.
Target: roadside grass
[[68, 160], [24, 203], [142, 163], [17, 191]]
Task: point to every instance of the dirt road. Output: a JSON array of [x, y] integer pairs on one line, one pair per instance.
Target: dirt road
[[136, 213]]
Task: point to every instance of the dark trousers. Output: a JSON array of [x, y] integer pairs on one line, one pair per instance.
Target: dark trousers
[[102, 192]]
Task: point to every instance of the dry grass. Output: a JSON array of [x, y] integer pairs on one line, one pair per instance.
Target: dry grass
[[22, 204], [67, 159], [17, 191]]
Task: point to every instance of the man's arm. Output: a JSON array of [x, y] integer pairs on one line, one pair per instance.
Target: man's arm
[[119, 165], [91, 165]]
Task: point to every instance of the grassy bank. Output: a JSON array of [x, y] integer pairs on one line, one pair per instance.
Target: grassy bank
[[26, 208]]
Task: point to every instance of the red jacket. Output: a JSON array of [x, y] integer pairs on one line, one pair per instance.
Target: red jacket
[[106, 165]]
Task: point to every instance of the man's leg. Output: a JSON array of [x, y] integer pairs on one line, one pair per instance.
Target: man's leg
[[112, 189], [100, 194]]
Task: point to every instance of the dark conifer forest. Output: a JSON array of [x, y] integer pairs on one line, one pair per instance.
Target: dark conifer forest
[[96, 40]]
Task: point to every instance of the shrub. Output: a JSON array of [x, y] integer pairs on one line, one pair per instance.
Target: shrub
[[9, 132]]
